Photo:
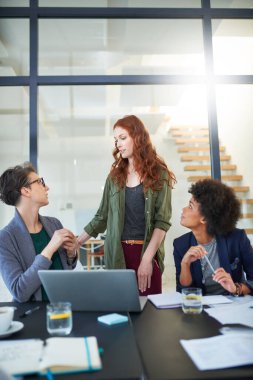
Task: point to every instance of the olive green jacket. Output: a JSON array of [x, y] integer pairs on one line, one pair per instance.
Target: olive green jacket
[[111, 213]]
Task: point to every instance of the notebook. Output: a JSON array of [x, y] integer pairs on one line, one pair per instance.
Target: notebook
[[58, 355], [100, 290]]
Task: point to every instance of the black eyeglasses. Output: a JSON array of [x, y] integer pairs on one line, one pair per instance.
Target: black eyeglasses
[[38, 180]]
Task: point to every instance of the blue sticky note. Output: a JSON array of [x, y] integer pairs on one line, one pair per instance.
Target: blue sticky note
[[112, 319]]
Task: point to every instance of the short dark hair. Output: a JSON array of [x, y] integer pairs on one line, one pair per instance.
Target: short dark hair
[[11, 182], [218, 205]]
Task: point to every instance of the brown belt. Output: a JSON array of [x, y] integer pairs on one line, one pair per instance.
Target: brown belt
[[133, 241]]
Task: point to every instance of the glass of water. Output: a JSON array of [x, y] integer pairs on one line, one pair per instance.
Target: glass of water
[[59, 318], [192, 300]]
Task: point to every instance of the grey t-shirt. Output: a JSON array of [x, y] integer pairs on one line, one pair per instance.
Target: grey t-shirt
[[134, 225], [211, 286]]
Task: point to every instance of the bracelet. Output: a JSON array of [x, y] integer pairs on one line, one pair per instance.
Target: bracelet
[[73, 256], [238, 290]]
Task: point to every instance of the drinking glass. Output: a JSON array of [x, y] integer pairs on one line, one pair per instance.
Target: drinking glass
[[59, 318], [192, 300]]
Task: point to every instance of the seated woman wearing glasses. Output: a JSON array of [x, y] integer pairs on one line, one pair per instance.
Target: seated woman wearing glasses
[[31, 242], [214, 256]]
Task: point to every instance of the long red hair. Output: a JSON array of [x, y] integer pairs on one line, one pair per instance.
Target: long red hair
[[147, 163]]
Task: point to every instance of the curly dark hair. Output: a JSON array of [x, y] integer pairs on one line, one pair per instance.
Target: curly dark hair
[[218, 205], [147, 162], [11, 182]]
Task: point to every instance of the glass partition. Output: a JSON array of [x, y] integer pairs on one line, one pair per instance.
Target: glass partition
[[233, 46], [14, 3], [235, 118], [76, 139], [232, 4], [14, 134], [14, 47], [120, 47], [76, 143], [75, 122]]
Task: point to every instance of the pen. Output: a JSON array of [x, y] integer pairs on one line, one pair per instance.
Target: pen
[[208, 262], [49, 375], [28, 312]]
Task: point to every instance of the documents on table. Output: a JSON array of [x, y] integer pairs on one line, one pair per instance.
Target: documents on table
[[241, 313], [215, 300], [236, 330], [174, 299], [223, 351], [166, 300], [57, 355]]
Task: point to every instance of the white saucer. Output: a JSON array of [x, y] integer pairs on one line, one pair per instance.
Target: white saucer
[[14, 327]]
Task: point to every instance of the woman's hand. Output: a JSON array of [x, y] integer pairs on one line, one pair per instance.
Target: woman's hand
[[70, 243], [144, 274], [82, 238], [225, 280], [71, 247], [194, 253], [62, 237], [145, 269]]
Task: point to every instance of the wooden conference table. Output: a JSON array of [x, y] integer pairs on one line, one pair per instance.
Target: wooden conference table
[[145, 348]]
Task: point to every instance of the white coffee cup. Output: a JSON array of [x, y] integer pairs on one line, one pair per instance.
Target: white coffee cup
[[6, 317]]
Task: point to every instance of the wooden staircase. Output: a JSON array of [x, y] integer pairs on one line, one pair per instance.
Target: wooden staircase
[[193, 148]]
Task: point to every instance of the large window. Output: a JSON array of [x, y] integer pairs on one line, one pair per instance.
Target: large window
[[123, 3], [14, 134], [70, 69], [76, 141], [233, 46], [120, 47], [14, 47]]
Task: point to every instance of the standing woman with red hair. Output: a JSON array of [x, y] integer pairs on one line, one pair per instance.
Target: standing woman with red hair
[[135, 209]]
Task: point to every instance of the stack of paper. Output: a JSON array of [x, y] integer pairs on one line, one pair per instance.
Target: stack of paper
[[166, 300], [223, 351], [174, 299], [241, 313]]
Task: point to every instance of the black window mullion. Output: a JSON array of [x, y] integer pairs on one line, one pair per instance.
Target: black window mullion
[[119, 79], [211, 96], [33, 93]]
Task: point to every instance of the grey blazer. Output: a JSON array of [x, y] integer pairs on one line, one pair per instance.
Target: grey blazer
[[19, 263]]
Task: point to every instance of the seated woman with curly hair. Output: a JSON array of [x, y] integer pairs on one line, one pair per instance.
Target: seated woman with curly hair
[[211, 215]]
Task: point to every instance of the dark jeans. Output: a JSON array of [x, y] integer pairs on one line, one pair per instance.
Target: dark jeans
[[132, 253]]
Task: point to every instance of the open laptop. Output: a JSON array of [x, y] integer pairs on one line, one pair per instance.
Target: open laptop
[[100, 290]]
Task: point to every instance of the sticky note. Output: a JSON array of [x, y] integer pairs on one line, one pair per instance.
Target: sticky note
[[112, 319]]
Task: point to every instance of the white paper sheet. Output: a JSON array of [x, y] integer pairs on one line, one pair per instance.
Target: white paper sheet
[[215, 300], [238, 301], [233, 313], [174, 299], [166, 300], [12, 355], [236, 330], [221, 351]]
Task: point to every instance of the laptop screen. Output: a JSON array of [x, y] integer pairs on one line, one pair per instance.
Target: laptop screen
[[100, 290]]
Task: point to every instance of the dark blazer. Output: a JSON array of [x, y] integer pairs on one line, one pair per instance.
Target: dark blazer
[[19, 263], [235, 255]]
